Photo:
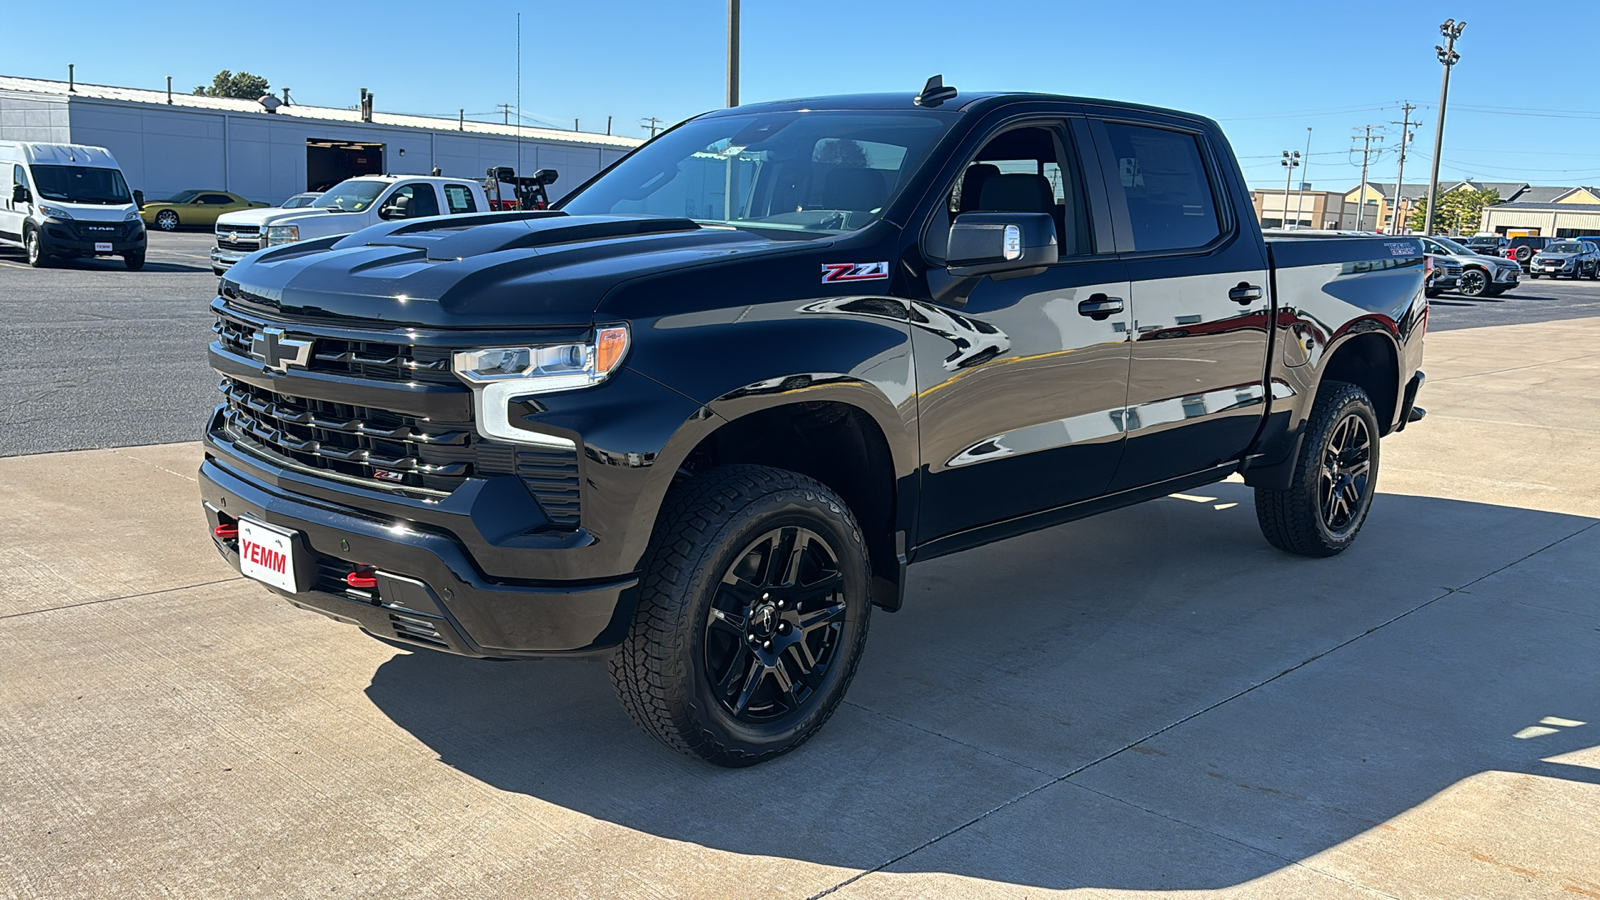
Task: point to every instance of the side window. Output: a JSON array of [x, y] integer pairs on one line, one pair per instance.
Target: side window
[[17, 178], [1028, 169], [459, 198], [423, 202], [216, 199], [1163, 177]]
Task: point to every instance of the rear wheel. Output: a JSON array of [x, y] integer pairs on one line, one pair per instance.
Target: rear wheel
[[1334, 478], [752, 615]]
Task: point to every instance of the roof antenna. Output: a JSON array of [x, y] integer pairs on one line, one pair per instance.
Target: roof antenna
[[934, 92]]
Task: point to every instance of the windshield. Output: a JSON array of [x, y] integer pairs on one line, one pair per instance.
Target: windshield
[[1564, 247], [81, 184], [297, 201], [808, 172], [351, 196], [182, 197], [1453, 247]]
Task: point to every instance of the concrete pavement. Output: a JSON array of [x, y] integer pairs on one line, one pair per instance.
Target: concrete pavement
[[1150, 701]]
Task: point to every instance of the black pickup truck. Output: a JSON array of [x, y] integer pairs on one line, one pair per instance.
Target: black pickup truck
[[701, 416]]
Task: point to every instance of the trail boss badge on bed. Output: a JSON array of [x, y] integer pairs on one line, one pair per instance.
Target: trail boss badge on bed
[[835, 272]]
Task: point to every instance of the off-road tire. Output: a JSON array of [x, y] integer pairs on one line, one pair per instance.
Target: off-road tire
[[1293, 520], [705, 526]]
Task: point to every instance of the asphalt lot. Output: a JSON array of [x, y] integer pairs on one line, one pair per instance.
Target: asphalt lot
[[97, 356], [1149, 703]]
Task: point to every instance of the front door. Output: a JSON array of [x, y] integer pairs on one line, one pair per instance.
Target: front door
[[12, 211], [1201, 303], [1021, 381]]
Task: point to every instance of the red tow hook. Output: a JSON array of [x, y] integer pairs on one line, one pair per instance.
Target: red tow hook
[[226, 532], [364, 579]]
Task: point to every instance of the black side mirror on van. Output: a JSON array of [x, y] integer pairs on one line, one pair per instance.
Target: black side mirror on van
[[138, 199], [19, 194], [993, 243]]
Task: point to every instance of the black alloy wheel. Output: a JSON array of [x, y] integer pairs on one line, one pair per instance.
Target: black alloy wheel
[[773, 625], [167, 220], [752, 613], [1335, 477], [1474, 282], [1342, 485]]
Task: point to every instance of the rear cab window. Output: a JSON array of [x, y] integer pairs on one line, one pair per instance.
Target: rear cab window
[[458, 198], [1162, 176]]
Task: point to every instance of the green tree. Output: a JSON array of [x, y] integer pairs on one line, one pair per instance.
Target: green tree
[[242, 86], [1459, 210]]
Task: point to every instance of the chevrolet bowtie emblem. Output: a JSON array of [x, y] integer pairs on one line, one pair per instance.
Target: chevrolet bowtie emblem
[[277, 351]]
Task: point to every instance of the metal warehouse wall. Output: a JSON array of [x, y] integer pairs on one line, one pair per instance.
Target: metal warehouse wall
[[164, 150], [30, 117]]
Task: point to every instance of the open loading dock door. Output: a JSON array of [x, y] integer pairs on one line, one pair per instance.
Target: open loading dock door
[[330, 162]]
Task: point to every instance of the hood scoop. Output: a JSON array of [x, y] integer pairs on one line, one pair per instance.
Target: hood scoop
[[460, 238]]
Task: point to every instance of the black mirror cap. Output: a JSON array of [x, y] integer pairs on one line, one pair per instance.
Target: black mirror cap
[[546, 176], [988, 243], [19, 194], [138, 199]]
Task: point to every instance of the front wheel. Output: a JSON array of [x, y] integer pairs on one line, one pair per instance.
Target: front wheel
[[1335, 477], [33, 245], [167, 220], [134, 261], [752, 615], [1533, 275], [1474, 283]]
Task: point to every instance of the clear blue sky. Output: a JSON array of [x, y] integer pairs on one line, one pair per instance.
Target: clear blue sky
[[1267, 71]]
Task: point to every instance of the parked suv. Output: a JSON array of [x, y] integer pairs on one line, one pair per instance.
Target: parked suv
[[1479, 275], [1572, 258], [1487, 244], [1523, 248]]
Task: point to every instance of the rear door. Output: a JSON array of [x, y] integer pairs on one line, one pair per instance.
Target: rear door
[[1199, 299], [1021, 381]]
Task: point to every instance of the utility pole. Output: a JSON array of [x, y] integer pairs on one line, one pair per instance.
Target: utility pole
[[1448, 57], [1290, 161], [733, 53], [505, 110], [652, 123], [1300, 197], [1366, 152], [1400, 179]]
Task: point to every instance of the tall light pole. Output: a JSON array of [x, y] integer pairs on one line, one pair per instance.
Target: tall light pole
[[1300, 197], [1290, 160], [733, 53], [1448, 57]]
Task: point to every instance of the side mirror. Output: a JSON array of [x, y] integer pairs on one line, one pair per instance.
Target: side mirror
[[138, 199], [546, 176], [392, 212], [19, 194], [991, 243]]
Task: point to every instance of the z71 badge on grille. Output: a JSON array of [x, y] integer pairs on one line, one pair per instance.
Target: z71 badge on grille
[[836, 272]]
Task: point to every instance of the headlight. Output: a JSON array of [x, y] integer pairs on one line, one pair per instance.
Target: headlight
[[53, 212], [132, 216], [502, 374], [282, 234]]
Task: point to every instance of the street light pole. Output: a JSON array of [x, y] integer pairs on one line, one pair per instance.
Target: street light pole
[[733, 53], [1290, 160], [1448, 57], [1300, 197]]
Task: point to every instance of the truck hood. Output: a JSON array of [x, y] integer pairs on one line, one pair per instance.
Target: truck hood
[[268, 215], [92, 212], [532, 270]]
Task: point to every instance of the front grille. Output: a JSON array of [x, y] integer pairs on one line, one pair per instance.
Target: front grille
[[353, 441], [239, 229], [1450, 270], [377, 361]]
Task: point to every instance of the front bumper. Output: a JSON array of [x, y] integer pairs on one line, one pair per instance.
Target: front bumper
[[430, 591], [224, 259], [63, 236], [1506, 275]]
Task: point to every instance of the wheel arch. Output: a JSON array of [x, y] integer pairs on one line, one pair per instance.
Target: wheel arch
[[1370, 359]]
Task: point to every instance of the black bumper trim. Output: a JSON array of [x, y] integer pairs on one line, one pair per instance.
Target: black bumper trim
[[426, 580]]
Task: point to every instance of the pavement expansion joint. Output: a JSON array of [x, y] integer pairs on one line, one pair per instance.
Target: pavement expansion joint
[[140, 595]]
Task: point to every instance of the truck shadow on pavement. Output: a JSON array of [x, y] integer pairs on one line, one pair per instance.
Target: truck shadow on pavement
[[1153, 699]]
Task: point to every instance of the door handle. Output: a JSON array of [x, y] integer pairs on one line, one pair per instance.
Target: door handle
[[1100, 307], [1245, 292]]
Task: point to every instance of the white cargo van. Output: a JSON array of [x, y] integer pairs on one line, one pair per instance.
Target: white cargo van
[[67, 200]]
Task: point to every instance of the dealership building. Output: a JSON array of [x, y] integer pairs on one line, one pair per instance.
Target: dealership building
[[169, 142]]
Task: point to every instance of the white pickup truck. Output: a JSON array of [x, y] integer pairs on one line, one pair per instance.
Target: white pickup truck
[[350, 206]]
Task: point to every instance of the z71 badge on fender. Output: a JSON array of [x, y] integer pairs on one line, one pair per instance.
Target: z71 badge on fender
[[835, 272]]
